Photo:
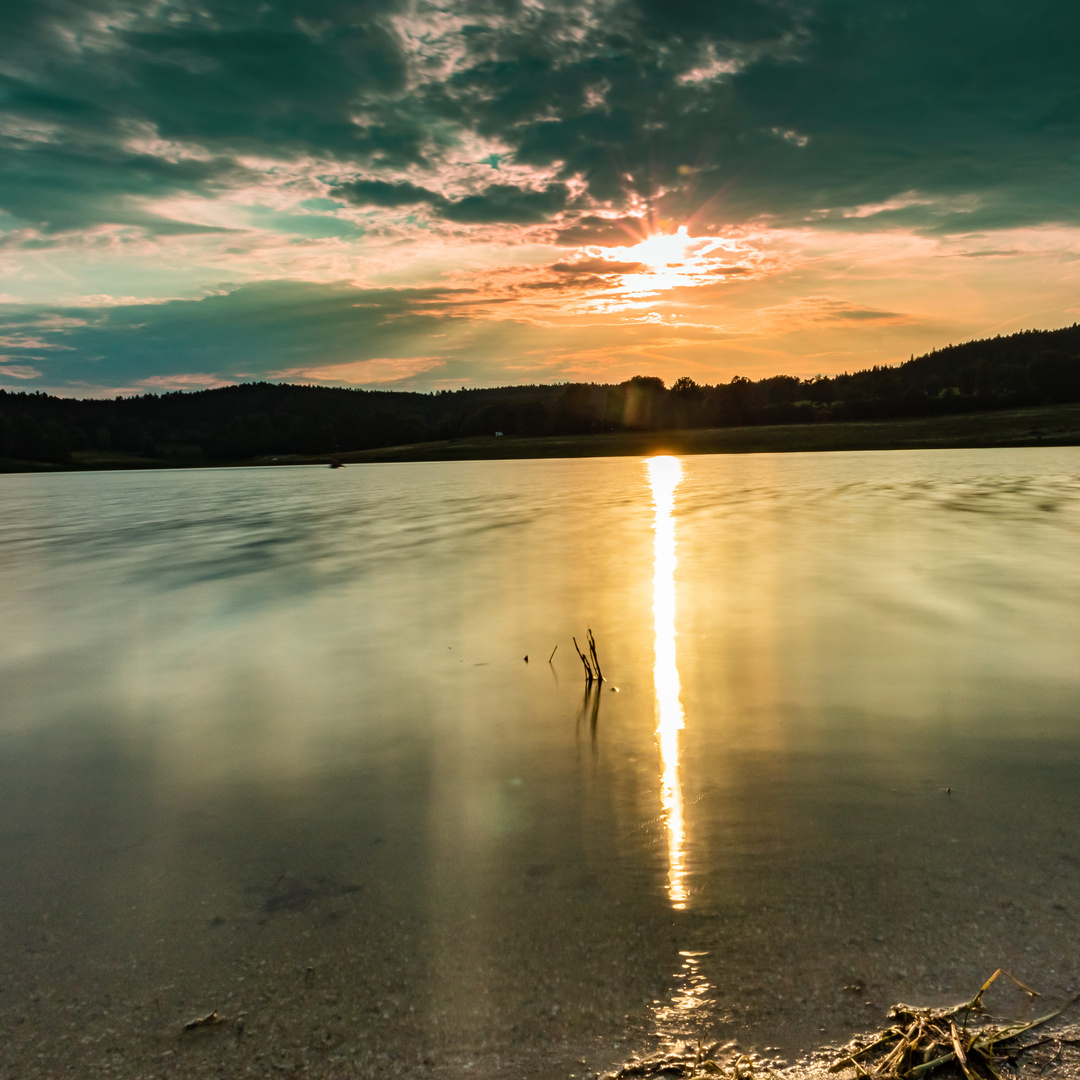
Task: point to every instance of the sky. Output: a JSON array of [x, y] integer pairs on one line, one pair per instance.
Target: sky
[[418, 195]]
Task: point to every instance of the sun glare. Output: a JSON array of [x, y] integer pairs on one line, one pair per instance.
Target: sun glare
[[668, 261], [661, 249], [664, 476]]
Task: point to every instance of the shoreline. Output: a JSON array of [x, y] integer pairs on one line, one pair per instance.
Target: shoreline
[[1056, 425], [1050, 1053]]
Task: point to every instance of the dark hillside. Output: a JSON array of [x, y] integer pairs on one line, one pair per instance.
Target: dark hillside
[[236, 423]]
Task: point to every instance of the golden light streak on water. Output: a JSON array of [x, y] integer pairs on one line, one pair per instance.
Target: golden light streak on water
[[687, 1014], [664, 476]]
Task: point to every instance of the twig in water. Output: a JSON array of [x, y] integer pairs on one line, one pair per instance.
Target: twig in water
[[975, 1004], [589, 676], [592, 650], [553, 652]]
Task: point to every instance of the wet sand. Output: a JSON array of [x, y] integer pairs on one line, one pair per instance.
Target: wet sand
[[1049, 1050], [355, 975], [294, 999]]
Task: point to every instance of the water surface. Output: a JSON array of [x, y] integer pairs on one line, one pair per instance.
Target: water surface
[[270, 747]]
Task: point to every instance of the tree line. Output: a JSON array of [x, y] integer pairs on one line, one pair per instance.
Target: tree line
[[235, 423]]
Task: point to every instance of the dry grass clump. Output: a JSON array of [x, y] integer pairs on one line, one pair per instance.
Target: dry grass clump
[[921, 1041]]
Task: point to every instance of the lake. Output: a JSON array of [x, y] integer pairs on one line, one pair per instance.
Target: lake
[[271, 748]]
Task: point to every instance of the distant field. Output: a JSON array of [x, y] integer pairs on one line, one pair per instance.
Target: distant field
[[1056, 425]]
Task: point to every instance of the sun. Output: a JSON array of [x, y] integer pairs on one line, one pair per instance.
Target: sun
[[660, 250], [662, 262], [666, 261]]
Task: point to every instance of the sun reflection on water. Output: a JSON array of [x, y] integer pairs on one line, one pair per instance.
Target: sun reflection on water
[[688, 1012], [664, 476]]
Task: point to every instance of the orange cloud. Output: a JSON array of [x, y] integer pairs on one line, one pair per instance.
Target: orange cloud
[[376, 371], [816, 310], [184, 381]]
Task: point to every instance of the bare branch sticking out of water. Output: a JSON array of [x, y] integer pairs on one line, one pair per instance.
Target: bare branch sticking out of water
[[595, 659], [591, 662], [589, 675]]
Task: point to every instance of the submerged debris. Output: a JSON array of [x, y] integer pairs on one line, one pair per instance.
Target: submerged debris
[[684, 1059], [210, 1020], [299, 894]]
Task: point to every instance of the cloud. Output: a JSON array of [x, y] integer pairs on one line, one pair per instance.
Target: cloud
[[19, 371], [484, 161], [386, 193], [498, 203], [989, 253], [22, 341], [597, 266], [377, 371], [183, 381], [751, 106], [608, 232], [507, 203], [326, 332], [823, 310]]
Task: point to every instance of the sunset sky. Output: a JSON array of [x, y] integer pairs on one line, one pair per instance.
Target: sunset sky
[[475, 193]]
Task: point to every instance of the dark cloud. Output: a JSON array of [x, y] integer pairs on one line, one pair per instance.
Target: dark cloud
[[946, 101], [279, 79], [741, 21], [252, 330], [499, 202], [605, 232], [383, 193], [259, 84], [507, 203], [700, 110]]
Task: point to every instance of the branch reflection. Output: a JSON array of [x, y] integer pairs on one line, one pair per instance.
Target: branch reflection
[[590, 710]]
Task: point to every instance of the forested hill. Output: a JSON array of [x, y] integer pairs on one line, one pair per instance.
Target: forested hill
[[235, 423]]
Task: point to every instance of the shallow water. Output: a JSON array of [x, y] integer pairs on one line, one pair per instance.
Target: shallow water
[[270, 747]]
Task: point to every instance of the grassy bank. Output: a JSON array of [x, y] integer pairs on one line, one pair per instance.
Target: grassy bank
[[1055, 425]]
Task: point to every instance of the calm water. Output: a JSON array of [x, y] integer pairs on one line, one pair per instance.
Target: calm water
[[270, 746]]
